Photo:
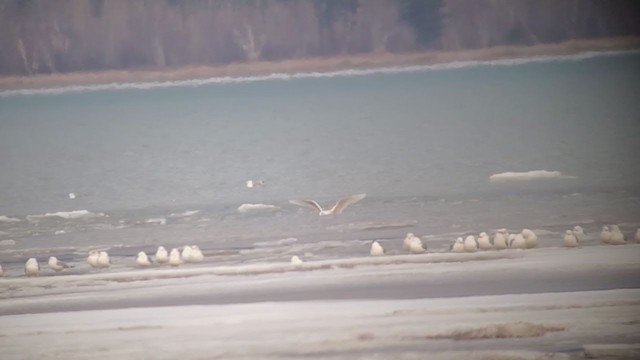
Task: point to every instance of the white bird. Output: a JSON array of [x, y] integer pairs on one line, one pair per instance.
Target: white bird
[[416, 246], [336, 209], [57, 265], [617, 237], [407, 241], [143, 260], [174, 257], [92, 259], [251, 184], [72, 196], [295, 260], [530, 238], [31, 267], [376, 249], [518, 242], [638, 235], [484, 243], [104, 261], [470, 244], [506, 234], [162, 256], [605, 234], [196, 254], [578, 232], [500, 240], [458, 246], [186, 254], [570, 239]]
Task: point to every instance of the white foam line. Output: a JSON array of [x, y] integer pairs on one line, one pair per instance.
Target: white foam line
[[314, 75]]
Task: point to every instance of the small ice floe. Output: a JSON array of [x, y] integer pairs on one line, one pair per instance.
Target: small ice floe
[[530, 238], [92, 259], [335, 210], [143, 260], [184, 214], [162, 256], [196, 254], [295, 260], [57, 265], [8, 219], [31, 267], [470, 244], [376, 249], [104, 261], [458, 246], [500, 239], [254, 184], [174, 257], [484, 243], [246, 208], [159, 221], [7, 242], [518, 242], [72, 196], [416, 246], [570, 239], [528, 176]]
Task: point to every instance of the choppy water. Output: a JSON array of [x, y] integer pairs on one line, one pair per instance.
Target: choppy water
[[422, 144]]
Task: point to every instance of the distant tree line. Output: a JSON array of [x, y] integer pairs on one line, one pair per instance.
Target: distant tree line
[[45, 36]]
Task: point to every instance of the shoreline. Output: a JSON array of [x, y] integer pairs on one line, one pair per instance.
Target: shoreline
[[308, 65]]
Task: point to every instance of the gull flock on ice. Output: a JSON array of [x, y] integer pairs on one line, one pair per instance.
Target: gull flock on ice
[[412, 244]]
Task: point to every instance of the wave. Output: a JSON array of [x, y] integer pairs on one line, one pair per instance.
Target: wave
[[159, 221], [285, 241], [245, 208], [8, 219], [223, 80], [184, 214], [528, 176], [74, 214]]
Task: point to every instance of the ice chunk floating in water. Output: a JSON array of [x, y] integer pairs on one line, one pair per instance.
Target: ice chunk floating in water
[[528, 176]]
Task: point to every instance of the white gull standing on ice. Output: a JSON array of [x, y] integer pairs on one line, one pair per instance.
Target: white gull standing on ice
[[484, 243], [617, 237], [578, 231], [295, 260], [416, 246], [186, 254], [57, 265], [196, 254], [92, 259], [174, 257], [376, 249], [470, 244], [104, 261], [162, 256], [570, 239], [605, 234], [143, 260], [31, 267], [458, 246], [500, 239], [407, 241], [530, 238], [518, 242], [335, 210]]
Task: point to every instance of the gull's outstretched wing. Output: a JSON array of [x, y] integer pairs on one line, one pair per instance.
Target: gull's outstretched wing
[[346, 201], [307, 203]]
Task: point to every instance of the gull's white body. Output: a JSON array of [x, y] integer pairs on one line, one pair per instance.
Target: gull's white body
[[92, 259], [143, 260], [57, 265], [186, 254], [335, 210], [31, 267], [570, 239], [295, 260], [578, 232], [174, 257], [458, 246], [605, 234], [530, 238], [251, 184], [162, 256], [407, 241], [617, 237], [500, 240], [376, 249], [484, 243], [416, 246], [104, 261], [470, 244], [196, 254], [518, 242]]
